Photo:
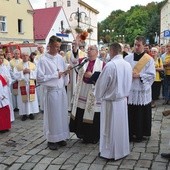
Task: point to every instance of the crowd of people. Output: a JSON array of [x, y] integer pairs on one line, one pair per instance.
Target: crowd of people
[[109, 92]]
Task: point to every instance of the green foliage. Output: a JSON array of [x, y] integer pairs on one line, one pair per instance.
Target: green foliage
[[139, 20]]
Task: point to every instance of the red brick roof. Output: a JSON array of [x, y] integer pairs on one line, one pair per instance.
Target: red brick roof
[[43, 21]]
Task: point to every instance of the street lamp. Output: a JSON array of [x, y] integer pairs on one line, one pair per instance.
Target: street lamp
[[107, 35], [156, 40], [120, 38], [78, 17], [108, 31]]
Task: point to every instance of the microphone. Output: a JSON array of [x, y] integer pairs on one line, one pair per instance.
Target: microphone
[[82, 64], [78, 65]]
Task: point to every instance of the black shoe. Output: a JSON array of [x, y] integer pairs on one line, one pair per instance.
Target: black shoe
[[24, 117], [138, 140], [165, 155], [99, 155], [31, 116], [52, 146], [131, 139], [4, 131], [85, 141], [16, 109], [62, 143]]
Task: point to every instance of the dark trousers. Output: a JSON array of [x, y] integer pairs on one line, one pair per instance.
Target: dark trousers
[[140, 118], [156, 88]]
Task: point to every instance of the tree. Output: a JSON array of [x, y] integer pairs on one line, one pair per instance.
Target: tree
[[139, 20]]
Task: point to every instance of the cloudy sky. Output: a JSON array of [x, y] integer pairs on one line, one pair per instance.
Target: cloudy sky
[[105, 7]]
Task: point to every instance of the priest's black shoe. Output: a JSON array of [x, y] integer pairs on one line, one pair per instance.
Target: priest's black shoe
[[62, 143], [24, 117], [99, 155], [138, 140], [16, 110], [52, 146], [165, 155], [31, 116], [4, 131]]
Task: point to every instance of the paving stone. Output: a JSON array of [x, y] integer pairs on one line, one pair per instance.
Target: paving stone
[[160, 159], [88, 159], [74, 159], [158, 166], [83, 166], [96, 167], [68, 167], [28, 166], [21, 152], [10, 160], [147, 156], [110, 167], [46, 160], [152, 149], [2, 158], [59, 160], [138, 149], [129, 164], [33, 151], [23, 159], [140, 168], [143, 164], [3, 167], [133, 156], [45, 152], [35, 158], [54, 167], [15, 166], [12, 152], [40, 167], [115, 163]]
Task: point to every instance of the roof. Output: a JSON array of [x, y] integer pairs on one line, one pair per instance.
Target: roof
[[43, 21], [88, 6]]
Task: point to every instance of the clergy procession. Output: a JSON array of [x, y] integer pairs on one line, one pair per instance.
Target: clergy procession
[[103, 99]]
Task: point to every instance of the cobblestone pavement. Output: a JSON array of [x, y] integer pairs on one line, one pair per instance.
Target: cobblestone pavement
[[24, 147]]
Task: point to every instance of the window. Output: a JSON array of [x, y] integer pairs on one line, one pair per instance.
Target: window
[[54, 4], [20, 26], [3, 27], [68, 3]]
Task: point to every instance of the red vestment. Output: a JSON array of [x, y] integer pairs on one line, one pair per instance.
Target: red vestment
[[5, 119]]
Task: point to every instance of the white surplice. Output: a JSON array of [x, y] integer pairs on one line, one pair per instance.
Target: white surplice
[[55, 105], [140, 93], [73, 80], [40, 88], [13, 63], [4, 71], [112, 88], [30, 107]]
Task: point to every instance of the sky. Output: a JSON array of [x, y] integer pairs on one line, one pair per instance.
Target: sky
[[105, 7]]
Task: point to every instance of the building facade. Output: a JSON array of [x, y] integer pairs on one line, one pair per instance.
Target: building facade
[[16, 21], [165, 23], [51, 21], [87, 16]]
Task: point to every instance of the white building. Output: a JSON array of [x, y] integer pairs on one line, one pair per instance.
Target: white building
[[48, 22], [71, 8], [165, 24]]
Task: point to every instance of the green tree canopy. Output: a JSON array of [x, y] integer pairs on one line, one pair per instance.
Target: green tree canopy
[[139, 20]]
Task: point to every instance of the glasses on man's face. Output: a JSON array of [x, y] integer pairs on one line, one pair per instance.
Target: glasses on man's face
[[90, 49]]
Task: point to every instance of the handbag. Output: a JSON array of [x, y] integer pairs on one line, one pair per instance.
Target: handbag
[[162, 72]]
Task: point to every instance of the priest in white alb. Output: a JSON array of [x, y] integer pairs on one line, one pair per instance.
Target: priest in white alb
[[112, 88], [25, 74], [51, 75]]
